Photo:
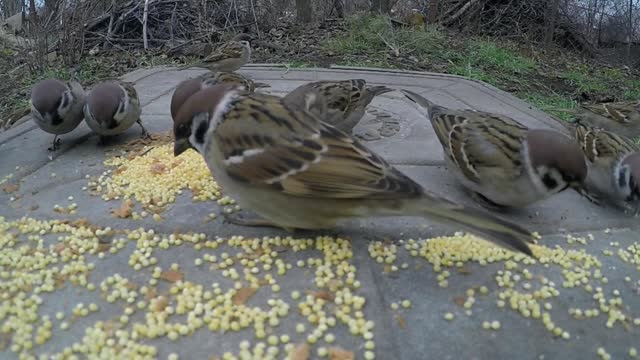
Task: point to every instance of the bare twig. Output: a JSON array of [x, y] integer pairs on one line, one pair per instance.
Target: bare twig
[[255, 19], [111, 18], [395, 49], [144, 24], [460, 12]]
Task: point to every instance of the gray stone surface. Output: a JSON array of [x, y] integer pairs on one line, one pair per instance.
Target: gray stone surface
[[402, 135]]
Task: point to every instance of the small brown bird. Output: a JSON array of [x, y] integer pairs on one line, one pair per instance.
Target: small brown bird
[[622, 118], [228, 57], [298, 172], [112, 107], [56, 107], [501, 162], [191, 86], [614, 166], [346, 100]]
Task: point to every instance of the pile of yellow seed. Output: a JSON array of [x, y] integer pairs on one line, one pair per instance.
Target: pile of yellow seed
[[518, 287], [160, 301], [39, 257], [156, 178]]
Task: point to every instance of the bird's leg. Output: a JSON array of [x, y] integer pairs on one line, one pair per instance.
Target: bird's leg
[[56, 144], [255, 220], [486, 203], [145, 133], [593, 198]]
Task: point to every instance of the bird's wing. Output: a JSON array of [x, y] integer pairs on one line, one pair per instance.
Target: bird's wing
[[267, 143]]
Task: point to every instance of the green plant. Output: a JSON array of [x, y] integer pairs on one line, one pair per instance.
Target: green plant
[[583, 79], [632, 92], [500, 58], [299, 64], [375, 37], [491, 63], [555, 104]]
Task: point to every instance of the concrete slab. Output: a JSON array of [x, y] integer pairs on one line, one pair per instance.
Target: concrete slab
[[601, 266]]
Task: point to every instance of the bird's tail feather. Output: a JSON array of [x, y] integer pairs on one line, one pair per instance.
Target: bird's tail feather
[[189, 66], [420, 100], [379, 90], [499, 231]]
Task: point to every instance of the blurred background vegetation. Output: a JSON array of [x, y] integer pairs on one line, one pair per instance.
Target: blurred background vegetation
[[555, 54]]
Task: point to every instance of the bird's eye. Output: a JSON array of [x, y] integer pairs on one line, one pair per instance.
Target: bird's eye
[[549, 181]]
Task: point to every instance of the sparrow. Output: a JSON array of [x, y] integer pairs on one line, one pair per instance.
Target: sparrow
[[228, 57], [297, 172], [614, 166], [501, 162], [346, 100], [622, 118], [56, 107], [112, 107], [191, 86]]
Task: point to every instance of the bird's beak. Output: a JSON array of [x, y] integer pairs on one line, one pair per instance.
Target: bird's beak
[[181, 146]]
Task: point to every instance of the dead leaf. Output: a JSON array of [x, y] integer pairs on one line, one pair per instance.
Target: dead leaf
[[110, 327], [151, 293], [158, 168], [59, 247], [243, 295], [82, 222], [120, 170], [300, 352], [338, 353], [459, 300], [34, 207], [386, 269], [61, 210], [172, 275], [125, 210], [59, 280], [334, 284], [161, 303], [176, 163], [401, 321], [464, 270], [104, 247], [10, 188], [322, 294]]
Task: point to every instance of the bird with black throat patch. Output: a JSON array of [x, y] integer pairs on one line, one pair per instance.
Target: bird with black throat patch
[[112, 107], [502, 163], [296, 172], [56, 107]]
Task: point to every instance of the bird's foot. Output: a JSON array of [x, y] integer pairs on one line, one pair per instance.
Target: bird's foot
[[486, 203], [55, 145], [145, 133], [261, 85], [593, 198], [253, 220]]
